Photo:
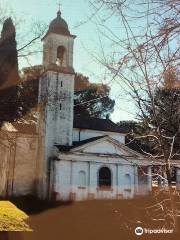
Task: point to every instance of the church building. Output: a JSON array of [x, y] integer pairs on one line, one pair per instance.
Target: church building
[[67, 157], [64, 156], [83, 158]]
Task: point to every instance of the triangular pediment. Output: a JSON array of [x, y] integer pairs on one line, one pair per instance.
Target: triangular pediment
[[106, 145]]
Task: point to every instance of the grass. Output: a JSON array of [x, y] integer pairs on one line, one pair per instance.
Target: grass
[[11, 218]]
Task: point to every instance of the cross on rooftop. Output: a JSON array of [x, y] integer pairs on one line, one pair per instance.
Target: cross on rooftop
[[59, 5]]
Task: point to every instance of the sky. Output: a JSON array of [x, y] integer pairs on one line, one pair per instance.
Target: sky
[[87, 43]]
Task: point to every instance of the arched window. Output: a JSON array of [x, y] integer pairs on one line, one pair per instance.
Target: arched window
[[127, 182], [104, 177], [82, 179], [61, 54]]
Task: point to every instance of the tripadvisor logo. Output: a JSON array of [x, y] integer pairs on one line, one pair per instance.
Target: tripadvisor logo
[[139, 231]]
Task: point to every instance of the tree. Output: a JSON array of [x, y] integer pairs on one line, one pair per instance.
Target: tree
[[16, 97], [27, 43], [166, 104], [8, 56], [12, 100], [134, 130], [139, 58], [81, 82], [171, 78], [9, 77], [29, 91], [92, 99]]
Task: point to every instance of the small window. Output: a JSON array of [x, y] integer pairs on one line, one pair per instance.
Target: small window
[[61, 83], [60, 106]]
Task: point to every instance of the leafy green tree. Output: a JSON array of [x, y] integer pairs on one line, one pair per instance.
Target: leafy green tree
[[135, 131], [92, 99], [167, 110]]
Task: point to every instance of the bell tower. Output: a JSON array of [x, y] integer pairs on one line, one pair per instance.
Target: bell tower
[[56, 90], [58, 44]]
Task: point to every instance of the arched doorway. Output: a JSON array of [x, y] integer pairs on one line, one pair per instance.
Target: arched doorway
[[104, 180]]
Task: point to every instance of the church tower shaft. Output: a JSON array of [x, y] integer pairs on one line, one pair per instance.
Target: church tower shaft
[[56, 93]]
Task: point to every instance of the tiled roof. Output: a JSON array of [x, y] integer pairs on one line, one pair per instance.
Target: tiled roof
[[98, 124], [59, 26], [80, 122], [77, 144]]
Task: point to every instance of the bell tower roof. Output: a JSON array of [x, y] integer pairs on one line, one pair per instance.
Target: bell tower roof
[[58, 26]]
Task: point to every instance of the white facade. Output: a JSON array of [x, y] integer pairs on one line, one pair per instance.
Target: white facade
[[56, 90], [56, 100], [76, 173], [102, 168], [122, 180], [56, 97]]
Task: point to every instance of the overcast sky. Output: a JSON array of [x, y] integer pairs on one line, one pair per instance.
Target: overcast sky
[[87, 42]]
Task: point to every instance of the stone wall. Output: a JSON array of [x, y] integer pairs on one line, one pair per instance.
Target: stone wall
[[24, 178], [18, 164], [4, 166]]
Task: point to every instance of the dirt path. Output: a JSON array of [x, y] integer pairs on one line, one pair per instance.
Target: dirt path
[[97, 220]]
